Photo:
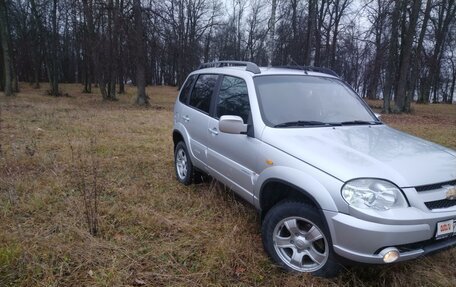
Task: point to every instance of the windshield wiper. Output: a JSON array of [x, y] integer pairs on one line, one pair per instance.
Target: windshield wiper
[[358, 122], [301, 124]]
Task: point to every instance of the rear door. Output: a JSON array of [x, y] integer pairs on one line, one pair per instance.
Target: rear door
[[232, 156], [195, 116]]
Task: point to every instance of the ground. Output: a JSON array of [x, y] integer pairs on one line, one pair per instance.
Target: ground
[[55, 153]]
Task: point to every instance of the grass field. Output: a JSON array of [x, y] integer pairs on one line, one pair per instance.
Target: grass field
[[151, 230]]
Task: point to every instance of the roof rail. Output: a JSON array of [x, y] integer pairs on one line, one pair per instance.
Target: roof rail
[[311, 69], [251, 67]]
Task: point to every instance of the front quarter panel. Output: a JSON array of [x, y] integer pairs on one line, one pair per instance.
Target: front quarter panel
[[302, 181], [277, 165]]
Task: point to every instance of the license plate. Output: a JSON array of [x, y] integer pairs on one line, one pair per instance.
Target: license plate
[[446, 229]]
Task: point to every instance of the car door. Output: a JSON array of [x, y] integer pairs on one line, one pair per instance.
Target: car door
[[195, 116], [232, 156]]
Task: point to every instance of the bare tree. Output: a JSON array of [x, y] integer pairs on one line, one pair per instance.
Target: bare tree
[[418, 51], [401, 104], [54, 44], [310, 31], [271, 26], [256, 33], [6, 55], [337, 13], [378, 18], [446, 15], [392, 58], [142, 99], [107, 43]]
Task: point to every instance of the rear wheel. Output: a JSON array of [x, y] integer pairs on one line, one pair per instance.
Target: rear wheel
[[296, 238], [183, 165]]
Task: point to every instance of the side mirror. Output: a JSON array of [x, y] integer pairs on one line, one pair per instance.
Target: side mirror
[[379, 116], [232, 125]]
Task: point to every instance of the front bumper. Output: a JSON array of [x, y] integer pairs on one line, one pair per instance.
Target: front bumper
[[361, 241]]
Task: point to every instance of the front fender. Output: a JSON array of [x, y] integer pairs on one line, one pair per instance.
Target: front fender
[[304, 182]]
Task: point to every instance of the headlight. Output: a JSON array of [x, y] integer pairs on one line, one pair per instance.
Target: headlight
[[373, 193]]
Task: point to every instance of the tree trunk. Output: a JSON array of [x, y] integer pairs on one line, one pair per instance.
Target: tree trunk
[[4, 36], [120, 49], [374, 76], [179, 31], [340, 6], [453, 81], [419, 47], [207, 45], [238, 28], [321, 17], [2, 77], [89, 53], [310, 32], [111, 71], [54, 77], [335, 34], [36, 70], [142, 99], [97, 58], [443, 23], [38, 44], [294, 52], [392, 59], [401, 104], [271, 42]]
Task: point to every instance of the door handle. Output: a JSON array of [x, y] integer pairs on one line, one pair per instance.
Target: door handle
[[213, 131], [186, 118]]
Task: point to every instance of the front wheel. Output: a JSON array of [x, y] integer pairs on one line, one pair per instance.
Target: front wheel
[[183, 165], [296, 238]]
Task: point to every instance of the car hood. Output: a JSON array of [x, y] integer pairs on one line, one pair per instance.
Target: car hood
[[378, 151]]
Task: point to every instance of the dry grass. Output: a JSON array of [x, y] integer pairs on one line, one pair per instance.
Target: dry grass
[[435, 122], [152, 231]]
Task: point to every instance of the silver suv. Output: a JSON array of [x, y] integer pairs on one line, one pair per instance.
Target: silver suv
[[333, 183]]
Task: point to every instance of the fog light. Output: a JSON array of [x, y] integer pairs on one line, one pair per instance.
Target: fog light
[[390, 254]]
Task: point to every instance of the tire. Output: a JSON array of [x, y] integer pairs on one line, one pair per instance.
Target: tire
[[182, 164], [286, 230]]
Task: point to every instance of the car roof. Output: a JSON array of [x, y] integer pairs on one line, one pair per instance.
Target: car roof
[[242, 72]]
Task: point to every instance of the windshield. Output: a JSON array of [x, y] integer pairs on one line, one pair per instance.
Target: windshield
[[295, 100]]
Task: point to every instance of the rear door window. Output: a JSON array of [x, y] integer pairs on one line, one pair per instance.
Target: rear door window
[[186, 89], [202, 92]]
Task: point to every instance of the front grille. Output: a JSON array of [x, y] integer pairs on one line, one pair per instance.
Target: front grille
[[443, 203], [434, 186]]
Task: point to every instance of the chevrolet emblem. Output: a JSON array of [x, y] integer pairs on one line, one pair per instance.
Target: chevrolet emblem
[[451, 193]]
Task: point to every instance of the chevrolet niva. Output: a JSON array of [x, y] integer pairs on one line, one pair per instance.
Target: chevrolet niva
[[332, 182]]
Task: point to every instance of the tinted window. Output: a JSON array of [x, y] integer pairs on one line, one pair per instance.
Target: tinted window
[[202, 92], [233, 98], [185, 92]]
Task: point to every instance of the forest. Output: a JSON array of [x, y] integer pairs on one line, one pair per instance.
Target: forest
[[88, 194], [396, 51]]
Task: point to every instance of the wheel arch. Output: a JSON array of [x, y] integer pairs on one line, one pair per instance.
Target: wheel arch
[[279, 183], [177, 137], [275, 190]]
